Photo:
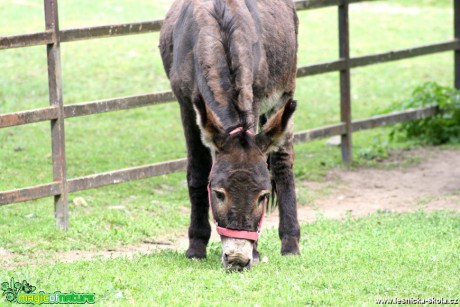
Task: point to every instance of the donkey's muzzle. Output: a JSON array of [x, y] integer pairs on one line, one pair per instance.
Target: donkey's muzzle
[[236, 253], [236, 261]]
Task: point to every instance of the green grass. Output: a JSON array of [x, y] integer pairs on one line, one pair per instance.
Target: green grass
[[425, 3], [343, 263]]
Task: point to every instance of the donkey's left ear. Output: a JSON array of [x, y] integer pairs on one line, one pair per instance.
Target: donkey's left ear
[[212, 132], [277, 128]]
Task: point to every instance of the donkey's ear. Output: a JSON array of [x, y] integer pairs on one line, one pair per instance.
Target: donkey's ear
[[212, 132], [277, 128]]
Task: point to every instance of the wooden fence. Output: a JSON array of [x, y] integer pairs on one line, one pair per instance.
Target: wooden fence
[[57, 112]]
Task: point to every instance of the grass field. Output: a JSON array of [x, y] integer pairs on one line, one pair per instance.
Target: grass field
[[158, 207], [348, 263]]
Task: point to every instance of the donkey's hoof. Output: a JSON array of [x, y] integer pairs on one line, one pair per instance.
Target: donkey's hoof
[[194, 254], [196, 251], [290, 246]]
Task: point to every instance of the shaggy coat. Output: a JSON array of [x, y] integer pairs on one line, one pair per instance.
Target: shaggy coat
[[232, 63]]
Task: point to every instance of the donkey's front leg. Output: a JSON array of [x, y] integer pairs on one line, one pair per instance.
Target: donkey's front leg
[[199, 230], [281, 162], [198, 167]]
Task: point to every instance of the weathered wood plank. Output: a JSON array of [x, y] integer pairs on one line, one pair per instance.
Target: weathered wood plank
[[395, 55], [128, 174], [319, 133], [316, 4], [404, 53], [321, 68], [394, 118], [366, 123], [116, 104], [345, 82], [53, 53], [69, 35], [30, 193], [26, 40], [27, 117]]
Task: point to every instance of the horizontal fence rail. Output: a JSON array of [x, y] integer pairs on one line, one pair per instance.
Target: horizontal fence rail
[[26, 40], [317, 4], [127, 174], [28, 117], [57, 112], [30, 193], [364, 124], [70, 35], [116, 104], [377, 58]]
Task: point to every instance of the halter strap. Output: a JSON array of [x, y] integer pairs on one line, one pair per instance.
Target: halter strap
[[239, 129]]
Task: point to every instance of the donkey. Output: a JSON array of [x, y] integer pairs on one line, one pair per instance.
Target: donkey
[[232, 66]]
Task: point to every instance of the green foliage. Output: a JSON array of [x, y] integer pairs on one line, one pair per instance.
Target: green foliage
[[376, 150], [442, 128]]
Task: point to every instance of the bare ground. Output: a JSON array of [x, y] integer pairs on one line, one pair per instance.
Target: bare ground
[[432, 184]]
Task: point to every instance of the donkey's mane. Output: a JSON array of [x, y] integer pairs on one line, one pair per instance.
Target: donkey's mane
[[228, 24]]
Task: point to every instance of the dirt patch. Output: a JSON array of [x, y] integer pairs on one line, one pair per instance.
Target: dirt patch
[[433, 184], [5, 253], [122, 251]]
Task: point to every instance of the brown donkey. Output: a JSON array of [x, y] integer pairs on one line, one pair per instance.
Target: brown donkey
[[232, 67]]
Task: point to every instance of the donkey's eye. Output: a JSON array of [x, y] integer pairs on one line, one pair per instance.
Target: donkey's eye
[[220, 196], [263, 198]]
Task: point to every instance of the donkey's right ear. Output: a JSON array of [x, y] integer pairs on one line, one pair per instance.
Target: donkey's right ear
[[212, 132], [277, 128]]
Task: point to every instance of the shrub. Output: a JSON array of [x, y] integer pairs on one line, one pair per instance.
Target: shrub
[[442, 128]]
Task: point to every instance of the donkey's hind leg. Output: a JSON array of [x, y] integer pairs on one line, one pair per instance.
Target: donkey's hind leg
[[198, 168], [281, 163]]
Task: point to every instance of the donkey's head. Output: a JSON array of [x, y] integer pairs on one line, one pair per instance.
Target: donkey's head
[[239, 182]]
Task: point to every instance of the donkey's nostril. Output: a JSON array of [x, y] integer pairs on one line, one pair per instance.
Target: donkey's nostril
[[225, 257], [248, 265]]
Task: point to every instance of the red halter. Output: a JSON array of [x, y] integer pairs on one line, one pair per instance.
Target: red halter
[[238, 234]]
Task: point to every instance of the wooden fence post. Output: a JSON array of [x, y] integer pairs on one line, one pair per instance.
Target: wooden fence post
[[345, 85], [457, 51], [61, 206]]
